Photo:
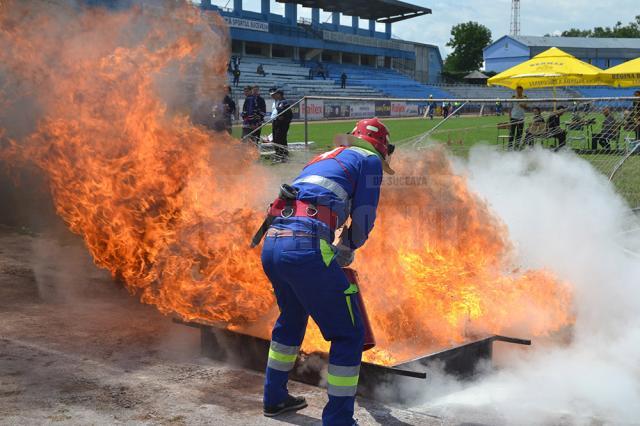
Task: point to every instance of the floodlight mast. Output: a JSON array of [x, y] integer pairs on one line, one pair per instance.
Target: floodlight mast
[[515, 17]]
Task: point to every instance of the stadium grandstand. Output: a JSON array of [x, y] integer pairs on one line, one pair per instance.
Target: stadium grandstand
[[305, 55], [291, 49]]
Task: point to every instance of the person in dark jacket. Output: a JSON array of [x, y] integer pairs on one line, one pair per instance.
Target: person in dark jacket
[[610, 130], [280, 124], [343, 81], [248, 108], [229, 107], [259, 112], [554, 129], [236, 76]]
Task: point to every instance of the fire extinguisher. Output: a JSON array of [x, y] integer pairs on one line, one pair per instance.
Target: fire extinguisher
[[369, 338]]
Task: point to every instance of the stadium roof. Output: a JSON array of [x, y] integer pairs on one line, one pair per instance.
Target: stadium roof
[[383, 11], [579, 42]]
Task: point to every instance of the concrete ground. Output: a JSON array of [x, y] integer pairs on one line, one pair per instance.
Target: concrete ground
[[75, 348]]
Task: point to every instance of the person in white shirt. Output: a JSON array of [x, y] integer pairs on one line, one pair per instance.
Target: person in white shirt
[[516, 118]]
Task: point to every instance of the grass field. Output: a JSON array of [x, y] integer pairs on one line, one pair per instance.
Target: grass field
[[479, 129], [464, 132]]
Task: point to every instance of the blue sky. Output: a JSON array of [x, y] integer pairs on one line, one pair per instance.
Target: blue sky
[[538, 17]]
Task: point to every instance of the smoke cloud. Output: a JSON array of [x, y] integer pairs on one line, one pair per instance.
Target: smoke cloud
[[563, 215]]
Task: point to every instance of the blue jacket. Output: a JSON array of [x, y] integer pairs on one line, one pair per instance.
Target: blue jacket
[[349, 185]]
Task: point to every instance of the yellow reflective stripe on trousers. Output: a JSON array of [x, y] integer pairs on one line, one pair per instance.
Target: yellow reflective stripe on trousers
[[327, 252], [282, 357], [353, 319], [353, 289], [343, 380]]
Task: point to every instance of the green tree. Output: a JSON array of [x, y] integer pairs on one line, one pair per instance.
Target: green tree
[[631, 30], [467, 40]]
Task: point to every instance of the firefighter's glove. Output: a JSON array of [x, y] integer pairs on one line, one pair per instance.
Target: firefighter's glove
[[344, 255]]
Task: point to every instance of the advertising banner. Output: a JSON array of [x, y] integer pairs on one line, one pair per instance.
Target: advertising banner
[[383, 108], [247, 24], [315, 109], [363, 109], [403, 109], [336, 109]]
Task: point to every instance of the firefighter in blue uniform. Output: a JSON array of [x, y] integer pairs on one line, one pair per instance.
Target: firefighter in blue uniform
[[305, 268]]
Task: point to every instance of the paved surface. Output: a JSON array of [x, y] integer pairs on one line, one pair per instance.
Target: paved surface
[[75, 348]]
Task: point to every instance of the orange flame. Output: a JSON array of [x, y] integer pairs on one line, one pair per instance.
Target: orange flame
[[169, 207]]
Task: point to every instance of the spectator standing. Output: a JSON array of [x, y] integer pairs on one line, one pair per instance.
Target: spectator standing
[[274, 105], [516, 119], [431, 106], [260, 71], [321, 71], [281, 121], [553, 125], [498, 107], [229, 110], [259, 113], [236, 76], [312, 71], [248, 109], [445, 109], [343, 80], [610, 128]]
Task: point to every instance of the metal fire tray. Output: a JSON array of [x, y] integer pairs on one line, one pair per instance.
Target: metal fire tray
[[251, 352]]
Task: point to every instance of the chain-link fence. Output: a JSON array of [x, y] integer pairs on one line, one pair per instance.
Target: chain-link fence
[[603, 131]]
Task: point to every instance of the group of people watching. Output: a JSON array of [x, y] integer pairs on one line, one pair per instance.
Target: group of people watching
[[551, 127], [219, 117], [254, 111]]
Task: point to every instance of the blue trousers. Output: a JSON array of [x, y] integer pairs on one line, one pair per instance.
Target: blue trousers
[[307, 281]]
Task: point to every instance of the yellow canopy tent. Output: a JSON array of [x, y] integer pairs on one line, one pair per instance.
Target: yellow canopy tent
[[626, 74], [551, 68]]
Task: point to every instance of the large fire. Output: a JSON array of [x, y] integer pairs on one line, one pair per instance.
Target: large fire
[[169, 208]]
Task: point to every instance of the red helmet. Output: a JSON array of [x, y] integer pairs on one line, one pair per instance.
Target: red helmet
[[375, 132]]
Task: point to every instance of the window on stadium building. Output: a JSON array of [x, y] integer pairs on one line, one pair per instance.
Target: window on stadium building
[[276, 8], [304, 13], [325, 17], [252, 5]]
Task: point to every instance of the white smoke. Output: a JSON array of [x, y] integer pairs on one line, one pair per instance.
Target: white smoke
[[565, 216]]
